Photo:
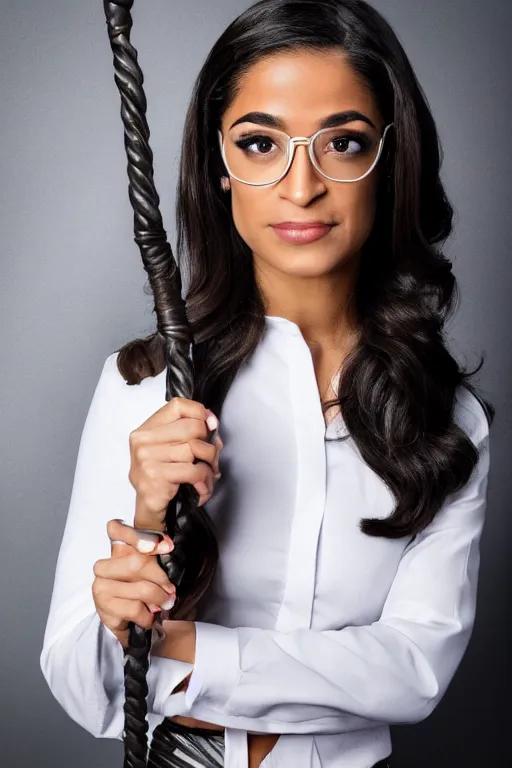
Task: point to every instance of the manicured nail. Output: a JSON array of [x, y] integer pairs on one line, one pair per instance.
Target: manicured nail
[[146, 541], [170, 588], [145, 546], [212, 421], [154, 608], [164, 548], [168, 604]]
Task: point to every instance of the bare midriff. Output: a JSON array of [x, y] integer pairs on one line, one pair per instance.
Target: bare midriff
[[191, 722]]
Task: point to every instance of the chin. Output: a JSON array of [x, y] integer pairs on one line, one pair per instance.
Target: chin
[[305, 270], [308, 261]]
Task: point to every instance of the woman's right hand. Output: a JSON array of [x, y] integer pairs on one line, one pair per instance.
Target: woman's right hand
[[163, 451]]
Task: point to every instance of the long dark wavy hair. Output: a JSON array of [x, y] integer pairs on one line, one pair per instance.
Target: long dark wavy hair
[[398, 386]]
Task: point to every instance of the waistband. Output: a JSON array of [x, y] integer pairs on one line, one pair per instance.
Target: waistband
[[162, 745]]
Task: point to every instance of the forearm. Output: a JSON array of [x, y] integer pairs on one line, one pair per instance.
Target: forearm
[[84, 671]]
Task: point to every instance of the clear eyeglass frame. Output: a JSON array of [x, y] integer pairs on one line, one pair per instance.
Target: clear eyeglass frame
[[295, 141]]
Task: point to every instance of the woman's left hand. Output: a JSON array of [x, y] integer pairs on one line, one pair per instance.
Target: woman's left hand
[[180, 636]]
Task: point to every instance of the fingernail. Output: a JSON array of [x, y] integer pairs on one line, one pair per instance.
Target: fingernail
[[164, 548], [146, 546], [170, 588], [219, 474], [147, 541], [212, 421], [154, 608], [168, 604]]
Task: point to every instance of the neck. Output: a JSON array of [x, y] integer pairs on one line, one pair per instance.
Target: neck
[[323, 307]]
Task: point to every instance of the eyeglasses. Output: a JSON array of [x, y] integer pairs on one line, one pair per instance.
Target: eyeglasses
[[263, 156]]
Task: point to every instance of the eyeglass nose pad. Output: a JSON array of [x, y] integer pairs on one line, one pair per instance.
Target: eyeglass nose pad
[[298, 141], [301, 141]]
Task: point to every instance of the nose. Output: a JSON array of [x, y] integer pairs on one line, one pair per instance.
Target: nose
[[302, 183]]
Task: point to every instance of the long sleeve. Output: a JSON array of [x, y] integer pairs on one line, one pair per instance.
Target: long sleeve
[[81, 660], [395, 670]]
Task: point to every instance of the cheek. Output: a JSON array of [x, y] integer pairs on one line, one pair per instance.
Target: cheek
[[357, 214], [244, 209]]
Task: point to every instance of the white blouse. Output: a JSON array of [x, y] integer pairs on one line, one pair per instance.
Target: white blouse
[[310, 628]]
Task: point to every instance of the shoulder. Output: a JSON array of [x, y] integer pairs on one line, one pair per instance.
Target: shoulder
[[469, 414], [127, 405]]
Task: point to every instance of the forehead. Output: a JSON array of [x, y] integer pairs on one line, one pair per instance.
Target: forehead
[[301, 87]]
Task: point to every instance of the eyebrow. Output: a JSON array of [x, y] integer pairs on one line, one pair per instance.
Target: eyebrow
[[332, 121]]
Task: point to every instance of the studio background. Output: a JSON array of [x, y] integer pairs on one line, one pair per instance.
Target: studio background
[[71, 291]]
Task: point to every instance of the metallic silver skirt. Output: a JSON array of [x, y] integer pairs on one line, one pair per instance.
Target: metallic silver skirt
[[179, 746]]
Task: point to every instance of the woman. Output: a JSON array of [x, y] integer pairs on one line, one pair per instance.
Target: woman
[[355, 452]]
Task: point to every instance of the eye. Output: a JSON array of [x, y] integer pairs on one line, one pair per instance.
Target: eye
[[350, 144], [264, 143]]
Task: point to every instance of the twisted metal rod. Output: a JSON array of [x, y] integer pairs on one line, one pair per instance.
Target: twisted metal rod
[[172, 324]]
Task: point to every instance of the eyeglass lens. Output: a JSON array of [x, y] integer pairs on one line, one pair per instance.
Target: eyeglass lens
[[260, 155]]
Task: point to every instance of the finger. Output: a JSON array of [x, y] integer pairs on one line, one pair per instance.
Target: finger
[[146, 591], [212, 424], [133, 568], [121, 533], [204, 451], [176, 472], [130, 610], [169, 432], [219, 445], [179, 408], [118, 548], [205, 485], [181, 452]]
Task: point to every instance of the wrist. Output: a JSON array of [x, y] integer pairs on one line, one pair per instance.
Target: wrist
[[178, 641]]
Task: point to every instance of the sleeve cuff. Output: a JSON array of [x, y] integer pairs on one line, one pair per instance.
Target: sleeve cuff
[[162, 677], [214, 675], [216, 668]]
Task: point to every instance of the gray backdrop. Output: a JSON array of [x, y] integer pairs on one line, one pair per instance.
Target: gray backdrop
[[71, 292]]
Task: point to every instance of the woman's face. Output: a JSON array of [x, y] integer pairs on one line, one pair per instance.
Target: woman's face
[[302, 89]]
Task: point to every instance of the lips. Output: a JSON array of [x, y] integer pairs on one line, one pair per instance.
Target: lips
[[301, 233], [301, 224]]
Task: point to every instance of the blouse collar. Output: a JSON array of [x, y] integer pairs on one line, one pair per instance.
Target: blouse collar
[[337, 428]]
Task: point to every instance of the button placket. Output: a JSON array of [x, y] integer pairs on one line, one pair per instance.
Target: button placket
[[297, 605]]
